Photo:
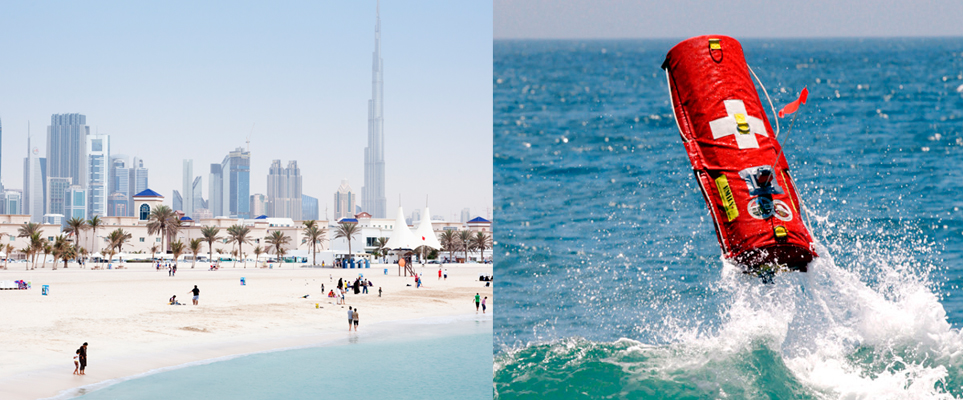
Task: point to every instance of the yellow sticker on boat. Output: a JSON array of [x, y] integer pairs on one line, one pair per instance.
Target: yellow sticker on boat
[[728, 202]]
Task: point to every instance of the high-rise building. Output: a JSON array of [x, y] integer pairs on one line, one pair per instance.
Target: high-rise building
[[344, 201], [57, 194], [236, 184], [215, 200], [465, 215], [188, 188], [309, 208], [198, 192], [177, 202], [118, 205], [75, 203], [373, 192], [119, 187], [34, 182], [415, 216], [98, 156], [138, 180], [284, 191], [258, 205], [12, 203], [67, 148]]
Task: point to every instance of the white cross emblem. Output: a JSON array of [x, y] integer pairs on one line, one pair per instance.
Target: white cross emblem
[[738, 123]]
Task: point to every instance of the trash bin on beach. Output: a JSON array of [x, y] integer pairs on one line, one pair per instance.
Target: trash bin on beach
[[45, 290], [243, 283]]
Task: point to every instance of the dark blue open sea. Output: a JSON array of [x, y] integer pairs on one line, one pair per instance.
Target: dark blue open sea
[[610, 276]]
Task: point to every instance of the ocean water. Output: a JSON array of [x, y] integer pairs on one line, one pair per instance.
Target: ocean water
[[610, 275], [427, 360]]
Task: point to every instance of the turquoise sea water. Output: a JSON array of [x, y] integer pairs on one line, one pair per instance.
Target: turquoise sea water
[[430, 360], [611, 279]]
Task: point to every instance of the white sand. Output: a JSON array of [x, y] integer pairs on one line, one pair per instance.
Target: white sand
[[131, 329]]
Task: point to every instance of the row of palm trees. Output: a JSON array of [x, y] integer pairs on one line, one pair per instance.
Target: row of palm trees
[[452, 241], [163, 220]]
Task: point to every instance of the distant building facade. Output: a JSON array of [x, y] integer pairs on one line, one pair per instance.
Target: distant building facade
[[344, 202], [284, 191], [309, 208], [98, 172]]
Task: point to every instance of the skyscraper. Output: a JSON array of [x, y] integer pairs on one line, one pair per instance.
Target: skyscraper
[[75, 202], [188, 188], [373, 192], [57, 200], [344, 201], [98, 156], [198, 191], [138, 181], [177, 202], [309, 208], [12, 202], [67, 148], [465, 215], [258, 205], [118, 202], [34, 181], [215, 200], [236, 184], [284, 191]]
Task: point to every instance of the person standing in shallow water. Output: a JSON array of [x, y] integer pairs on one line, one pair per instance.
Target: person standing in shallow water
[[350, 318], [477, 302], [355, 316], [83, 358]]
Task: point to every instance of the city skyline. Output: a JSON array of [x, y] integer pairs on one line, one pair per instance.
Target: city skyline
[[294, 79]]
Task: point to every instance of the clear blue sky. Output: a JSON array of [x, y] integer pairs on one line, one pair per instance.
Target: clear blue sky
[[607, 19], [176, 80]]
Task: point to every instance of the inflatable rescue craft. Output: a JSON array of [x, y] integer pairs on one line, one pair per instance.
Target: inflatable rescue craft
[[737, 161]]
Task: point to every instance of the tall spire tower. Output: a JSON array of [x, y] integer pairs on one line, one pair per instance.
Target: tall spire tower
[[373, 192]]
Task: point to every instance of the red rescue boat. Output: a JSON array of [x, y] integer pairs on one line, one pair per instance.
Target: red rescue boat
[[737, 161]]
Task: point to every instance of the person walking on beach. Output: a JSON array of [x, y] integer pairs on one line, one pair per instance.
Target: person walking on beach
[[350, 318], [355, 316], [483, 304], [77, 362], [379, 291], [197, 292], [439, 274], [477, 302], [446, 274], [170, 272], [82, 351], [174, 268]]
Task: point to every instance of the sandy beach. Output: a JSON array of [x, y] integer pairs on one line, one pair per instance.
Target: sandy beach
[[131, 329]]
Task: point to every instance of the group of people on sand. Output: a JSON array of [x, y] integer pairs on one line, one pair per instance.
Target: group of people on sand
[[195, 291], [80, 360]]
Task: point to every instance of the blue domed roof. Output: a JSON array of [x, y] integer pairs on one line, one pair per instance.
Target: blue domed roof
[[148, 193]]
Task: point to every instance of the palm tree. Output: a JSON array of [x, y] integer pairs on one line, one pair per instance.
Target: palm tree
[[257, 254], [195, 247], [210, 235], [27, 229], [37, 243], [47, 250], [464, 238], [381, 247], [82, 251], [61, 250], [481, 241], [28, 251], [74, 227], [8, 249], [238, 234], [94, 223], [277, 239], [347, 230], [153, 250], [449, 242], [314, 235], [103, 255], [177, 248], [116, 241], [163, 220]]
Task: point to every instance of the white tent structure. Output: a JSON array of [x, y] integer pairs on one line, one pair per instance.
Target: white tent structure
[[401, 237], [425, 235]]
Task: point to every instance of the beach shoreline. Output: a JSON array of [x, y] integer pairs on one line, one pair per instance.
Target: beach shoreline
[[137, 336]]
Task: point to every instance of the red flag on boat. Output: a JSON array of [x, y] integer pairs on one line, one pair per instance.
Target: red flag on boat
[[792, 107]]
